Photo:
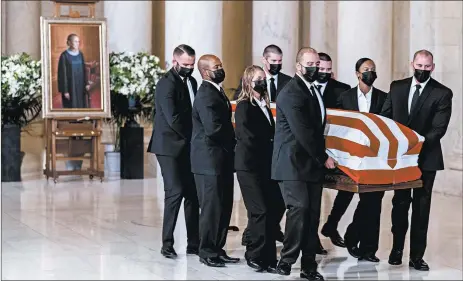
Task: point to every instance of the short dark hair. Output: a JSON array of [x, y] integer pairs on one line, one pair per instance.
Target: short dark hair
[[324, 57], [272, 49], [360, 62], [183, 48], [423, 52]]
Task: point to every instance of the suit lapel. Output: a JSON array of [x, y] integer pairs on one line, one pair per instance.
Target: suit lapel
[[374, 100], [424, 95], [355, 99]]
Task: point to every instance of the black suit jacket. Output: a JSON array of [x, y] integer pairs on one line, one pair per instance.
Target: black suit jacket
[[332, 92], [282, 80], [349, 100], [430, 117], [299, 149], [254, 138], [213, 140], [172, 121]]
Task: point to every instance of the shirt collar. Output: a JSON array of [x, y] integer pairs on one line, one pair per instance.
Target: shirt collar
[[215, 84], [260, 103], [414, 83], [360, 93], [318, 83]]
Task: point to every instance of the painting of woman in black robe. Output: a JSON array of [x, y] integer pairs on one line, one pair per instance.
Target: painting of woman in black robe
[[72, 79]]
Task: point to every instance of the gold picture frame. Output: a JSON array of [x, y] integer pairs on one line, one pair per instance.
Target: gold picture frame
[[75, 68]]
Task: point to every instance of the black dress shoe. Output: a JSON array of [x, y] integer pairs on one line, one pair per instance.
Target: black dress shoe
[[226, 259], [212, 262], [335, 238], [168, 252], [395, 258], [420, 265], [192, 251], [272, 267], [280, 236], [353, 251], [283, 268], [321, 251], [370, 258], [311, 275], [255, 264]]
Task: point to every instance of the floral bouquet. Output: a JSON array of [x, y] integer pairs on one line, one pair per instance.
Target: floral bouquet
[[133, 79], [21, 89]]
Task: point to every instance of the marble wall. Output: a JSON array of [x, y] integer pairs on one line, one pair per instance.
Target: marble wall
[[388, 31]]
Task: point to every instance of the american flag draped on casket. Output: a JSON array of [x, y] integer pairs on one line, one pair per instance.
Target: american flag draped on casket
[[371, 149]]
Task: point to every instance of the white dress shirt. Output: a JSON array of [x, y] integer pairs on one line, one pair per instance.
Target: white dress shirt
[[190, 90], [322, 88], [364, 100], [218, 88], [319, 97], [263, 106], [413, 89]]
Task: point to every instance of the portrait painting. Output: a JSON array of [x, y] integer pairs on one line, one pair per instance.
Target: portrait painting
[[75, 68]]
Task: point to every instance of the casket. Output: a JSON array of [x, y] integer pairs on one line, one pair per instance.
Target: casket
[[373, 153]]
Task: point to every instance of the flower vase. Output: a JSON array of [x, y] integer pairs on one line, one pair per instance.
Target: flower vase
[[131, 122]]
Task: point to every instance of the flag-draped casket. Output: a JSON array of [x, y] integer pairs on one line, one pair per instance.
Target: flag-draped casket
[[371, 149]]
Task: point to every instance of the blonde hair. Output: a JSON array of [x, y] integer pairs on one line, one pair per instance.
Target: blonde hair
[[247, 91]]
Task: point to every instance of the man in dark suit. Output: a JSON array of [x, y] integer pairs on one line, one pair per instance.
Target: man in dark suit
[[365, 226], [170, 142], [212, 161], [298, 163], [330, 88], [272, 60], [424, 105]]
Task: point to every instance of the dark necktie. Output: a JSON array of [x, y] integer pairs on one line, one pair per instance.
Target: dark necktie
[[185, 82], [319, 88], [416, 95], [273, 89]]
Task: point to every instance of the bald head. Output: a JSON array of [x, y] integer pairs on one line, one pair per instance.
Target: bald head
[[207, 64], [303, 51]]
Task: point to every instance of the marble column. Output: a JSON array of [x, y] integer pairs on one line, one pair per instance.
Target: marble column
[[365, 30], [441, 21], [129, 25], [323, 19], [276, 22], [22, 28], [197, 24]]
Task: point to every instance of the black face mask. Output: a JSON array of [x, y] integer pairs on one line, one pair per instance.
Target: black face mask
[[274, 69], [368, 77], [260, 87], [184, 71], [323, 77], [219, 76], [311, 73], [422, 75]]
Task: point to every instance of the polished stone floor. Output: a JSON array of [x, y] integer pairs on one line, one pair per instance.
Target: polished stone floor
[[79, 230]]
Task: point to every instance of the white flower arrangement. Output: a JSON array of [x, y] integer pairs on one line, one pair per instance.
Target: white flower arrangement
[[134, 74], [21, 89]]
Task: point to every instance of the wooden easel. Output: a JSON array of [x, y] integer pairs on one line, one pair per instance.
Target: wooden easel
[[90, 4], [78, 136], [60, 134]]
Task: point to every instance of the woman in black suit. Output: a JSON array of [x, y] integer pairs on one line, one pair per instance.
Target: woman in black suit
[[362, 235], [255, 129]]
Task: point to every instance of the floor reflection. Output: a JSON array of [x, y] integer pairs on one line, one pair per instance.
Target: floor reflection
[[78, 229]]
